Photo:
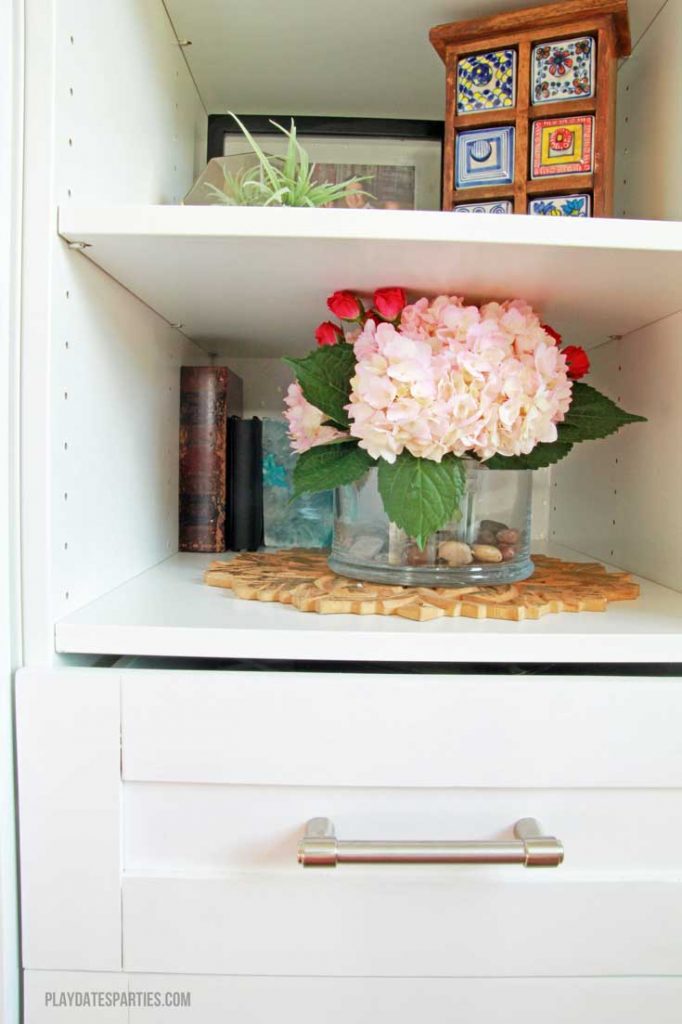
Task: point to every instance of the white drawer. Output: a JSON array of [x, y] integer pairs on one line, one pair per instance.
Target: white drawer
[[397, 730], [220, 771], [361, 1000]]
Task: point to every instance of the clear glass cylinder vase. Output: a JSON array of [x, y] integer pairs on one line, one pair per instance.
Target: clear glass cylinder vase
[[487, 541]]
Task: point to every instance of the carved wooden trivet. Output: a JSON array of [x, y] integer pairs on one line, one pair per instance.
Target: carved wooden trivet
[[303, 579]]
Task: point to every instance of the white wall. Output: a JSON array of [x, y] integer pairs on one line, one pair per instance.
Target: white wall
[[112, 115], [11, 70], [618, 499], [649, 137]]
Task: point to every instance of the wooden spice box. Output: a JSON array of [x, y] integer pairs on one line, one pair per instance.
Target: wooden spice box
[[603, 21]]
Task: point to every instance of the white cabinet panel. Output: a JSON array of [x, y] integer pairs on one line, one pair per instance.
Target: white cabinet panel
[[63, 997], [391, 730], [212, 883], [188, 863], [399, 921], [406, 1000], [176, 828], [260, 1000], [68, 740]]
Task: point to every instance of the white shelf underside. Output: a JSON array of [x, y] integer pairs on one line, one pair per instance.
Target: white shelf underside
[[168, 611], [252, 281]]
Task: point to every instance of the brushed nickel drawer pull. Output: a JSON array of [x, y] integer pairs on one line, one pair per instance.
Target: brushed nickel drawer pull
[[320, 848]]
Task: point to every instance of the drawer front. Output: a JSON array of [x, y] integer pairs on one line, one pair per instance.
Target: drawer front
[[212, 884], [363, 1000], [377, 730], [401, 924], [222, 772], [190, 792]]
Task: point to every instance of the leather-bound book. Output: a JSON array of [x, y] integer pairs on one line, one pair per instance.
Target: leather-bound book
[[245, 491], [208, 396]]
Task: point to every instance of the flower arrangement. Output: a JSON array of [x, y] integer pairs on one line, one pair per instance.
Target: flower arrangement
[[280, 181], [415, 388]]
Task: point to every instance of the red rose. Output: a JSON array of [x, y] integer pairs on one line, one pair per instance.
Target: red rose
[[554, 335], [345, 305], [372, 315], [577, 360], [328, 333], [390, 302]]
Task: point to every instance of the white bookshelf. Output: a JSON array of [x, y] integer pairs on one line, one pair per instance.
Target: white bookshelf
[[252, 282], [168, 611]]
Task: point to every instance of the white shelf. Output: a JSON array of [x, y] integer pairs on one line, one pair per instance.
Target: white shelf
[[253, 281], [168, 611]]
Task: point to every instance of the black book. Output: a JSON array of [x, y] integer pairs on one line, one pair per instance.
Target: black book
[[245, 494]]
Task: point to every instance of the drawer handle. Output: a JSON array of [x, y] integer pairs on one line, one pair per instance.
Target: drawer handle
[[320, 848]]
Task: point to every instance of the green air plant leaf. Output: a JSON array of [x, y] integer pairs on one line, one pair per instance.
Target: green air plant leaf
[[325, 377], [592, 415], [330, 465], [421, 496], [280, 181], [266, 163], [541, 456]]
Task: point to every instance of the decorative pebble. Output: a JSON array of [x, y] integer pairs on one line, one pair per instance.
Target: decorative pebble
[[508, 552], [455, 552], [486, 537], [366, 547], [493, 526], [508, 536], [486, 553], [415, 556]]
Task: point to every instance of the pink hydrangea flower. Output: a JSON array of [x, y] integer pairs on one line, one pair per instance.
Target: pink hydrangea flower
[[453, 378], [305, 422]]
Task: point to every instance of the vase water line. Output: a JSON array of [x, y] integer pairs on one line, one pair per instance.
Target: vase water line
[[486, 543]]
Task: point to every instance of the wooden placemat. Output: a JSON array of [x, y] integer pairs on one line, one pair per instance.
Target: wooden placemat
[[303, 579]]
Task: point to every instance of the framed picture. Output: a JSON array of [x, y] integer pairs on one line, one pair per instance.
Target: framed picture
[[401, 160]]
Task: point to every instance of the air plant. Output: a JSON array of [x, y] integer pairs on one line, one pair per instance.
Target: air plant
[[287, 180]]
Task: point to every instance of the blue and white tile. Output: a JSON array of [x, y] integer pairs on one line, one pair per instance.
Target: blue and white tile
[[579, 205], [484, 156], [501, 206], [486, 81], [563, 70]]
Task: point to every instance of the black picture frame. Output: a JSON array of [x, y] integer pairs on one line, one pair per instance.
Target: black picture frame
[[220, 125]]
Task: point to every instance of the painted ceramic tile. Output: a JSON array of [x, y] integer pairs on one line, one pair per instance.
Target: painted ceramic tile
[[484, 156], [501, 206], [561, 206], [562, 145], [563, 70], [486, 81]]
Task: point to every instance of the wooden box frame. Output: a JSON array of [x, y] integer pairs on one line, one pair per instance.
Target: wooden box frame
[[607, 22]]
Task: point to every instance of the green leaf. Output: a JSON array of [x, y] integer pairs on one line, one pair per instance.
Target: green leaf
[[266, 164], [325, 377], [421, 496], [592, 415], [541, 456], [328, 466]]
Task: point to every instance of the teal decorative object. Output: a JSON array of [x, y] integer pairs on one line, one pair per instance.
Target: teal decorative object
[[305, 522]]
